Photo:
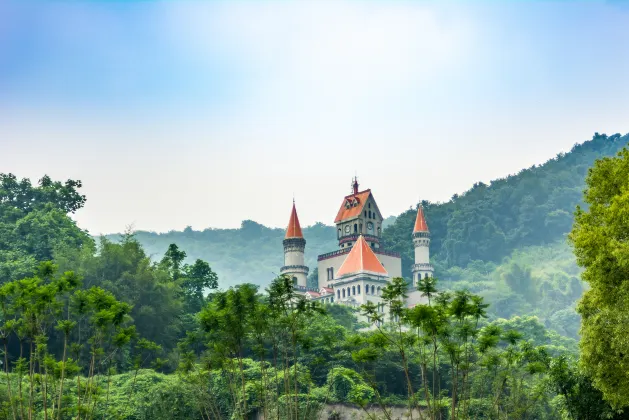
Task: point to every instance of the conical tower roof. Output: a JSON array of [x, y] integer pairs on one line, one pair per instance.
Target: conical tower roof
[[293, 230], [361, 259], [420, 221]]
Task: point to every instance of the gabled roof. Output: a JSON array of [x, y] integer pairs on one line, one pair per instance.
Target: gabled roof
[[420, 221], [293, 230], [361, 259], [356, 204], [326, 291], [313, 294]]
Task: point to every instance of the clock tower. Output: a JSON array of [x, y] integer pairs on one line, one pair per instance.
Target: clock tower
[[358, 215]]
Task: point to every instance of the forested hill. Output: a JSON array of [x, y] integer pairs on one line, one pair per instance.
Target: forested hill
[[487, 222]]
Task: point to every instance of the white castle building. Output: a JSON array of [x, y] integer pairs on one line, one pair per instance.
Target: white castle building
[[359, 269]]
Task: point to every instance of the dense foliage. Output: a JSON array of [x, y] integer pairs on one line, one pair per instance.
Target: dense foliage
[[81, 321], [600, 240], [488, 222]]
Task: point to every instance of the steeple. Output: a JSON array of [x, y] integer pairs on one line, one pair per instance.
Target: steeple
[[421, 240], [361, 259], [355, 185], [420, 221], [294, 248], [294, 229]]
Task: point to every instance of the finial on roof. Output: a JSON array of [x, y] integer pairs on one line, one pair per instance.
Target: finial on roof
[[355, 185]]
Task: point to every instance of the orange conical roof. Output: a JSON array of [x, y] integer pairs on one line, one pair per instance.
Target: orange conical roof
[[361, 258], [293, 230], [420, 221]]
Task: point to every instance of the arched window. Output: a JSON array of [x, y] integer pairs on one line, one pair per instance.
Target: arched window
[[354, 290], [355, 228], [369, 205], [343, 292], [295, 280], [358, 289], [338, 294], [426, 276], [365, 214], [373, 289], [361, 228], [370, 214], [339, 234], [378, 290]]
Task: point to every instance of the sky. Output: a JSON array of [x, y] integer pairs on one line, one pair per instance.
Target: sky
[[203, 114]]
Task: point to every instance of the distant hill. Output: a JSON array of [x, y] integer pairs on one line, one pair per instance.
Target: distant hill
[[487, 222]]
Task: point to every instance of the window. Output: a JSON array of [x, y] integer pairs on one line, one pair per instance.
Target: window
[[330, 272], [294, 280], [365, 213], [343, 293], [355, 228], [358, 289], [338, 294], [339, 234], [370, 214], [378, 290], [373, 290], [361, 228], [354, 290], [426, 276], [369, 205], [373, 245], [331, 300]]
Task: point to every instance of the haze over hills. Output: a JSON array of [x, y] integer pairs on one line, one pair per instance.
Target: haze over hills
[[505, 240], [487, 222]]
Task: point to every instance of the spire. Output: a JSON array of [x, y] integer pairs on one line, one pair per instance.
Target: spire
[[420, 221], [293, 230], [355, 185], [361, 258]]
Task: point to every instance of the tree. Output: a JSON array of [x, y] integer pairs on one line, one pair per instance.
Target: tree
[[599, 237]]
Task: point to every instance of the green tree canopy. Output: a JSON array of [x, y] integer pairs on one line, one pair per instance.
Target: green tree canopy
[[600, 243]]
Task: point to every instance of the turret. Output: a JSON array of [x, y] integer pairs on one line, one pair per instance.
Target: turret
[[421, 240], [294, 247]]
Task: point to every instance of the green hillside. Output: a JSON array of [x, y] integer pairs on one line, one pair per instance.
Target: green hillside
[[487, 222], [505, 240]]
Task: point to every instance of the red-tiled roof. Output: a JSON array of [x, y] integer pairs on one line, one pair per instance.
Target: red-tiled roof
[[361, 258], [313, 294], [327, 290], [347, 213], [420, 221], [293, 230]]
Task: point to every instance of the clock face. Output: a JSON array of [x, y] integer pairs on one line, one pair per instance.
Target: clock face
[[347, 229], [369, 225]]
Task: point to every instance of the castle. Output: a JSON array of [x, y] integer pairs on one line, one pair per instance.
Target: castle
[[360, 268]]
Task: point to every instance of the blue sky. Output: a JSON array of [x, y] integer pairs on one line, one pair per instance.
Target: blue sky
[[177, 113]]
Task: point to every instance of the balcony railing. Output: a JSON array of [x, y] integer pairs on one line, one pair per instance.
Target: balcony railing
[[346, 250], [354, 237], [293, 268], [422, 266]]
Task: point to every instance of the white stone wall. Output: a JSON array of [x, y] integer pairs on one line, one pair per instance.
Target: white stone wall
[[323, 265], [393, 265], [294, 257], [422, 250]]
